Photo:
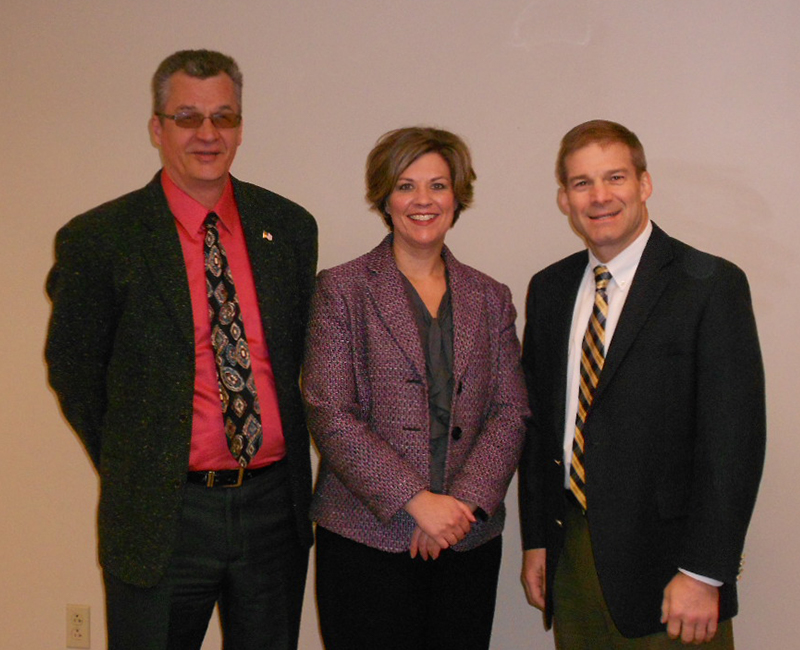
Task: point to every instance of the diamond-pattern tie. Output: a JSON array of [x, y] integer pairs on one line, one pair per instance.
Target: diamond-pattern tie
[[241, 412], [592, 359]]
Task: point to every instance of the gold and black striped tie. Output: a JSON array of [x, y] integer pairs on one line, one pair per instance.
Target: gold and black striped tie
[[592, 358]]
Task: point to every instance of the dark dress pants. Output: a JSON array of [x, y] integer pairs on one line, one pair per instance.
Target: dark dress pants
[[237, 547], [373, 600]]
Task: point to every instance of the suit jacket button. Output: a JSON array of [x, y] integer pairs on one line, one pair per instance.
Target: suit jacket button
[[559, 523], [456, 433]]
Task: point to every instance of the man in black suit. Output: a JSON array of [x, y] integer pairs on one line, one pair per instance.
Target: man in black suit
[[197, 507], [644, 457]]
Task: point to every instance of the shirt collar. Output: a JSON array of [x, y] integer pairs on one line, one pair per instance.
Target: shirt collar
[[623, 266], [191, 214]]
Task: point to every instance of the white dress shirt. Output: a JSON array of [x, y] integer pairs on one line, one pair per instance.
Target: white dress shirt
[[622, 268]]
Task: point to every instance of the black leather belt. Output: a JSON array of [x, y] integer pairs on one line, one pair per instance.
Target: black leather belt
[[227, 478]]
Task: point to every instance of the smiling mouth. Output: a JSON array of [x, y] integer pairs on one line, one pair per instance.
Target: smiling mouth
[[422, 217], [605, 215]]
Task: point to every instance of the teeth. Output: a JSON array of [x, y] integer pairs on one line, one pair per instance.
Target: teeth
[[421, 217]]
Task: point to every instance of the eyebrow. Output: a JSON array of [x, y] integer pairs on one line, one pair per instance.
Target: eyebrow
[[408, 178], [609, 172], [192, 107]]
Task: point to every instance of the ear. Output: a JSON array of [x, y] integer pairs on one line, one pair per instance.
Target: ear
[[562, 201], [645, 186], [155, 127]]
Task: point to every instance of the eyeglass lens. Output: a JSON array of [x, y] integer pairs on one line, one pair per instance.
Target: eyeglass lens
[[219, 120]]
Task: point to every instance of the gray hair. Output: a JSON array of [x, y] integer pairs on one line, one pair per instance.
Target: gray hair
[[200, 64]]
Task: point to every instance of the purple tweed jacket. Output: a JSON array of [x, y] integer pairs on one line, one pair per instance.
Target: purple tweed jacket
[[366, 396]]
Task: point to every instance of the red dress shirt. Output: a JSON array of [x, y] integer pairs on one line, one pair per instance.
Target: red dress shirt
[[209, 450]]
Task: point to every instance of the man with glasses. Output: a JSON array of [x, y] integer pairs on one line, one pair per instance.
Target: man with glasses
[[174, 347]]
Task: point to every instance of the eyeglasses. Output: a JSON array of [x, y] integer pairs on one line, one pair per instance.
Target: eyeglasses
[[195, 120]]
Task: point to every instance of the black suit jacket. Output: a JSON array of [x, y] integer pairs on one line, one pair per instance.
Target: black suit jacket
[[120, 351], [675, 436]]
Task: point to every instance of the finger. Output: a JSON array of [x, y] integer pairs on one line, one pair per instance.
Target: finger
[[687, 633], [527, 589], [414, 546], [702, 633], [674, 628], [711, 630]]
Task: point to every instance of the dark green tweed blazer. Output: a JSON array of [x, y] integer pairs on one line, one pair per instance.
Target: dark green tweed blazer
[[120, 352]]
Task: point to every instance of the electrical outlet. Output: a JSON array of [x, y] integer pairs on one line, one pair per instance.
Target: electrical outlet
[[78, 626]]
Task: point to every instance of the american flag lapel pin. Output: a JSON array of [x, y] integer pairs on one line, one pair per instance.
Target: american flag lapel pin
[[266, 235]]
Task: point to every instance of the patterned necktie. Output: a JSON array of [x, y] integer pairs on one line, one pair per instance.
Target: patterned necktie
[[237, 390], [592, 359]]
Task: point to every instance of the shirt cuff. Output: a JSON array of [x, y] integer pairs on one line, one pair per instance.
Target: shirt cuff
[[708, 581]]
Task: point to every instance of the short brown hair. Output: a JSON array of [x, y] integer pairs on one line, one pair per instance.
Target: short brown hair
[[397, 149], [200, 64], [602, 132]]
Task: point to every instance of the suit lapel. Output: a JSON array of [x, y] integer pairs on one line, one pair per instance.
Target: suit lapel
[[648, 284], [467, 301], [391, 304], [567, 286], [266, 248], [163, 255]]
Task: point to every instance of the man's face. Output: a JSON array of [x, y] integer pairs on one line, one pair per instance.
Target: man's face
[[198, 160], [604, 199]]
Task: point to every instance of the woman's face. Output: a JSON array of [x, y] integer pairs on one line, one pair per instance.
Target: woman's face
[[422, 204]]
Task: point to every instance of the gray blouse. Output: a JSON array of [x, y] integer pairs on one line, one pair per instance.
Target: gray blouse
[[436, 336]]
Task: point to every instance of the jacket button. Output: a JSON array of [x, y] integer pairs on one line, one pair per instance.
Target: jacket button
[[456, 433], [559, 523]]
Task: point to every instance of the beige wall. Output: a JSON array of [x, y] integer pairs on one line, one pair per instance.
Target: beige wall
[[710, 86]]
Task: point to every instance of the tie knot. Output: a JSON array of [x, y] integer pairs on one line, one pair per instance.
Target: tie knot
[[602, 276], [211, 220]]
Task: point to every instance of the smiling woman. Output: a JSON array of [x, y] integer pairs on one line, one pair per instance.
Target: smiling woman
[[417, 404], [421, 208]]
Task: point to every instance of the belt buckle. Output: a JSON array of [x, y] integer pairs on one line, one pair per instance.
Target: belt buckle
[[211, 480]]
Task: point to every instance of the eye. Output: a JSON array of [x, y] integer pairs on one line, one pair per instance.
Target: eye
[[189, 119], [404, 187], [439, 186], [226, 120]]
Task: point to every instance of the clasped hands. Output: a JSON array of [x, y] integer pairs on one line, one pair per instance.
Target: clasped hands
[[442, 521]]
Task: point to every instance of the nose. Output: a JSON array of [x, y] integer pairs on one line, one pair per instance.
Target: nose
[[207, 130], [422, 196], [600, 193]]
